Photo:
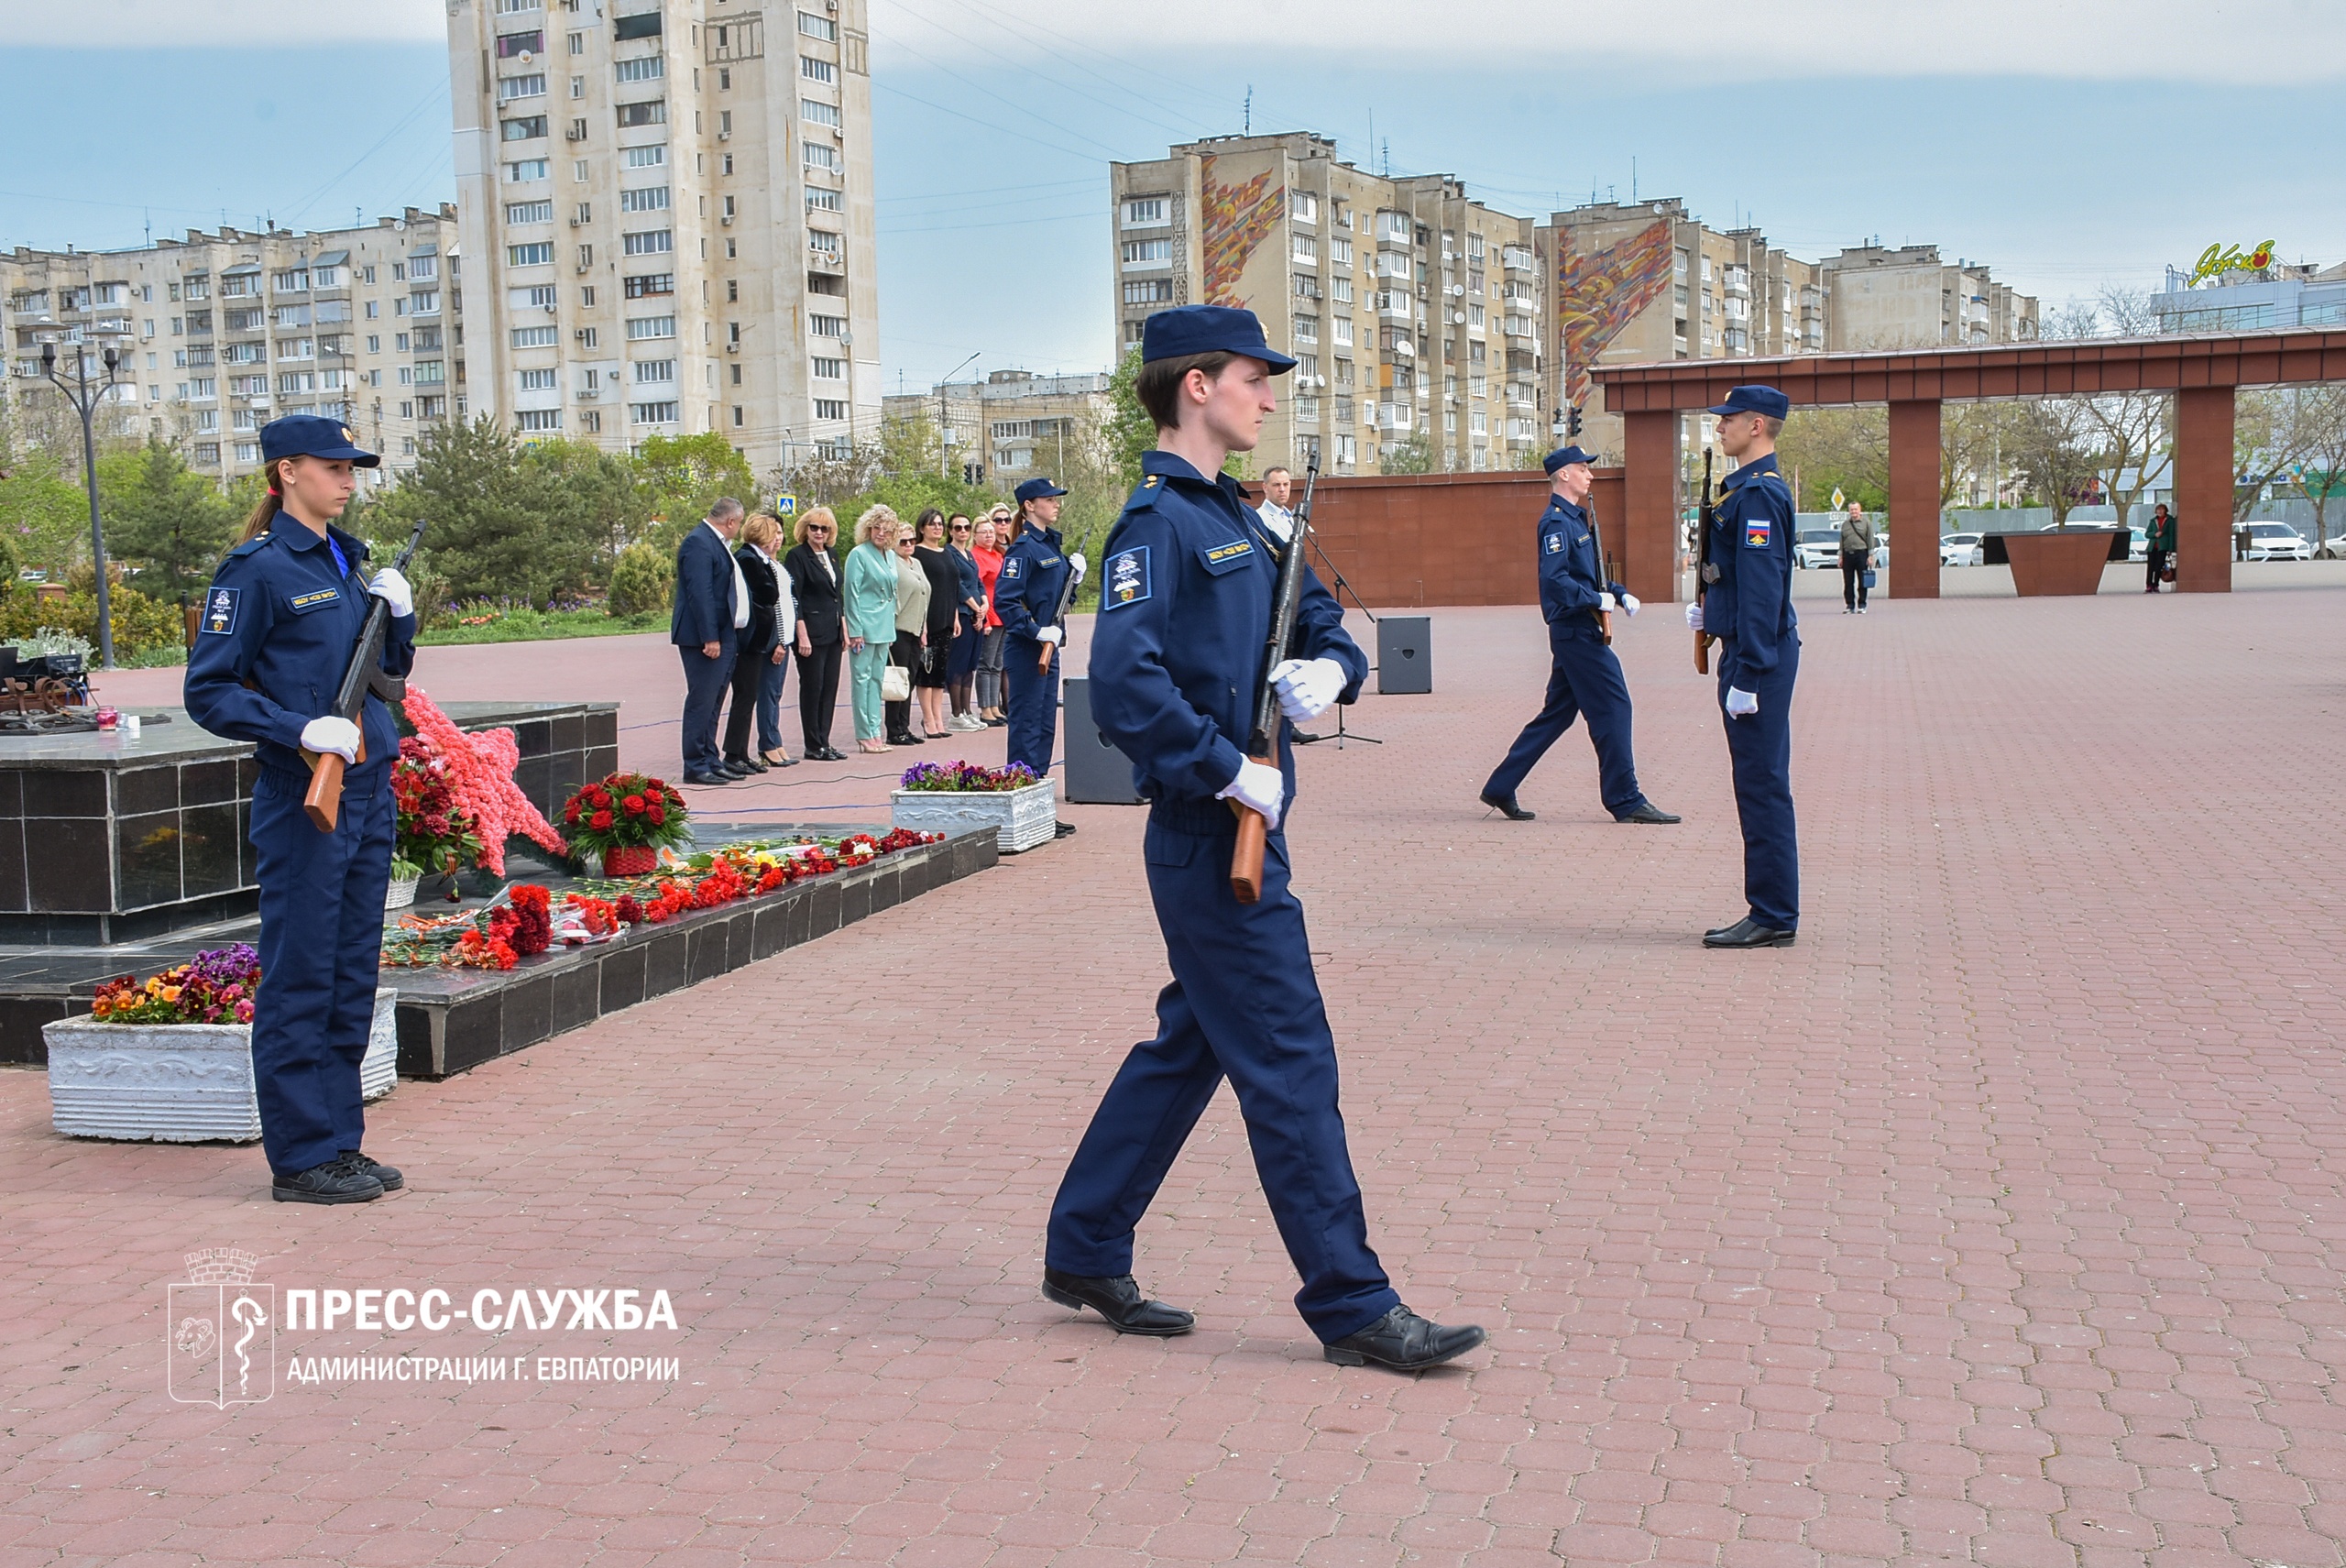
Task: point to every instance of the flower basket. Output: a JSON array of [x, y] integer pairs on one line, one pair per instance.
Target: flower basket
[[630, 859], [1021, 818], [178, 1083], [400, 892]]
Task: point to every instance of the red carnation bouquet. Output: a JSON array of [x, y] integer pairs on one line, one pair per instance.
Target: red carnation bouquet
[[625, 812]]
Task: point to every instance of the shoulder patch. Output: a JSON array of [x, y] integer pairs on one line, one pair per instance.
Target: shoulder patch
[[1757, 532], [220, 612], [1013, 566], [1553, 544], [1127, 579]]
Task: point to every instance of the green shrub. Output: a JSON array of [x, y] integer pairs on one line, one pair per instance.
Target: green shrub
[[641, 581], [140, 622]]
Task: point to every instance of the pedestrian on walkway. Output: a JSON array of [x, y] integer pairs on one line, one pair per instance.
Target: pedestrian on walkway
[[1857, 543], [1176, 661], [870, 611], [2159, 547]]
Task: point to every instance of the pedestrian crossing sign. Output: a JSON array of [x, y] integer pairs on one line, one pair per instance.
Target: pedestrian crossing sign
[[785, 506]]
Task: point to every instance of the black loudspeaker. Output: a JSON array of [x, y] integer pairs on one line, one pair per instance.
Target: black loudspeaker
[[1097, 773], [1405, 654]]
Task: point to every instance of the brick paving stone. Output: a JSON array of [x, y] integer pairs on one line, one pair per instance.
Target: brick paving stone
[[1995, 1222]]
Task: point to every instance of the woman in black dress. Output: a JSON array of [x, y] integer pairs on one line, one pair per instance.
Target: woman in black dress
[[760, 649], [813, 566], [944, 601]]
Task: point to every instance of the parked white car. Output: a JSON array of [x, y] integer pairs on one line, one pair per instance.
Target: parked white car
[[2275, 542], [1818, 547], [2139, 547], [1960, 550]]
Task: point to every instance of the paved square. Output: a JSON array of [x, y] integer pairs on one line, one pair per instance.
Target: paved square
[[1998, 1222]]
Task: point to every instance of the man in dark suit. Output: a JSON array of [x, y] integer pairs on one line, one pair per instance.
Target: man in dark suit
[[712, 607]]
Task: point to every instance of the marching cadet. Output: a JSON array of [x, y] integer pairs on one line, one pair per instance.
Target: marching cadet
[[1585, 676], [278, 626], [1035, 572], [1749, 611], [1188, 581]]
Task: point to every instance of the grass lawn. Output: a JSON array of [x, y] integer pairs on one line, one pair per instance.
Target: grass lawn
[[534, 626]]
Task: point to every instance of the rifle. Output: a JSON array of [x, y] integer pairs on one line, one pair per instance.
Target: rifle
[[1058, 616], [1603, 576], [1262, 742], [363, 674], [1705, 573]]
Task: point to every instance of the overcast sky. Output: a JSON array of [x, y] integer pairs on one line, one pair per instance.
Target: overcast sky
[[2068, 144]]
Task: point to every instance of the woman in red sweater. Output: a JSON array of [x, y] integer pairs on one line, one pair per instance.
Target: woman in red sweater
[[988, 550]]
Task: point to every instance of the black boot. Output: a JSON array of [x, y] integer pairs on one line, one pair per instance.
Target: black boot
[[332, 1182]]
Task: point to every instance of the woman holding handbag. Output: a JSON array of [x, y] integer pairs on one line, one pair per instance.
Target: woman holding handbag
[[912, 632], [869, 609]]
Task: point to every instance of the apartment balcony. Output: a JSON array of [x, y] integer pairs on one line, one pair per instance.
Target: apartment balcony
[[825, 260], [1738, 281]]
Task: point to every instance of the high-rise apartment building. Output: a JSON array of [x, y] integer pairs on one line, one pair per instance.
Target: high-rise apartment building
[[1905, 297], [667, 209], [218, 334], [1012, 424], [1415, 311]]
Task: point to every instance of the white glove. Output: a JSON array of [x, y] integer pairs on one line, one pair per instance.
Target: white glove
[[1741, 704], [1630, 603], [338, 736], [1259, 788], [1693, 616], [392, 588], [1077, 565], [1051, 634], [1604, 601], [1307, 688]]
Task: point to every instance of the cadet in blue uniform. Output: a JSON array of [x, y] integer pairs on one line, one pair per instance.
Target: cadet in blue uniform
[[1586, 676], [279, 623], [1026, 596], [1188, 579], [1749, 609]]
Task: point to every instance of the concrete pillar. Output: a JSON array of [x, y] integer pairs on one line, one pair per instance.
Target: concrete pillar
[[2203, 489], [1915, 500], [1649, 505]]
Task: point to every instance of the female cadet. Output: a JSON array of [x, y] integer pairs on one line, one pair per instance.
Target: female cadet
[[279, 623]]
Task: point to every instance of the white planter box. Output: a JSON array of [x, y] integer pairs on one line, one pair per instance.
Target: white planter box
[[1021, 818], [178, 1083]]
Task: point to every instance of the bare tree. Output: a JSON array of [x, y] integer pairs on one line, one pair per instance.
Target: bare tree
[[2273, 431], [2132, 434], [2051, 444], [2321, 417]]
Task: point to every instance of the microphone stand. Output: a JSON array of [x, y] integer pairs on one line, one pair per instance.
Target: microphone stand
[[1339, 586]]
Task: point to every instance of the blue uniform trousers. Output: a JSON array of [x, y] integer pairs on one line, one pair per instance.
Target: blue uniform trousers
[[1244, 1003], [705, 681], [321, 953], [1760, 748], [1034, 710], [1585, 682]]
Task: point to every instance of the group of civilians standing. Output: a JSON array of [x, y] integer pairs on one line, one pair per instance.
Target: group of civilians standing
[[918, 601]]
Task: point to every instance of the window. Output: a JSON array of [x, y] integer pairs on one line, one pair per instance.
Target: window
[[293, 348], [816, 26], [536, 296], [249, 452], [651, 413], [654, 370], [644, 26], [1143, 211], [651, 199], [293, 315], [1340, 291], [1148, 290], [829, 369], [651, 67], [648, 285], [1304, 205], [296, 381], [511, 8], [654, 112], [510, 88], [1147, 252], [821, 70], [529, 211], [527, 168], [540, 254], [523, 130], [649, 242], [537, 421], [536, 336], [296, 282], [578, 43], [819, 155], [207, 422], [430, 372], [642, 327], [1340, 251], [822, 201], [204, 387], [537, 380], [513, 46], [1307, 286], [816, 114], [1342, 330], [242, 287], [326, 277], [1307, 247], [646, 157], [1307, 329], [830, 407], [586, 336], [826, 326], [1393, 225]]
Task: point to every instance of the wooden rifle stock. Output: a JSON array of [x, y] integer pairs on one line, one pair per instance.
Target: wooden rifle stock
[[323, 800], [1703, 516], [1262, 746]]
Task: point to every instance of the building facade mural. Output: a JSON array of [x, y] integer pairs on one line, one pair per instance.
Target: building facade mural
[[1600, 292], [1234, 220]]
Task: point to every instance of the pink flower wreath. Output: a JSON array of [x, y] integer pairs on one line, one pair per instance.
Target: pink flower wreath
[[480, 773]]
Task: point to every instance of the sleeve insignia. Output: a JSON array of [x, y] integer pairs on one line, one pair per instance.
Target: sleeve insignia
[[1756, 532], [220, 612], [1127, 579]]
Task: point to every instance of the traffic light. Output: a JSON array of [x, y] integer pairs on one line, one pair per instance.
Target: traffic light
[[1572, 426]]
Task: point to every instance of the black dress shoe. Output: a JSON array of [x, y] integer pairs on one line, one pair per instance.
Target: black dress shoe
[[1645, 811], [1062, 829], [1748, 933], [833, 755], [1505, 805], [745, 766], [734, 770], [1120, 1302], [1404, 1342], [391, 1180], [332, 1182], [708, 781]]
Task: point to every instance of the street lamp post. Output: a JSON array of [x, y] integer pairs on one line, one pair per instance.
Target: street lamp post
[[85, 400], [943, 434]]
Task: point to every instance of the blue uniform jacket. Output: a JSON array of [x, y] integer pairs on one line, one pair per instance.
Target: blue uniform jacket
[[279, 624], [704, 612], [1186, 584], [1034, 570], [1572, 573], [1750, 606]]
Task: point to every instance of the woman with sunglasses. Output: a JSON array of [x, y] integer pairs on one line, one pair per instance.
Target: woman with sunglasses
[[969, 630], [991, 538], [813, 567]]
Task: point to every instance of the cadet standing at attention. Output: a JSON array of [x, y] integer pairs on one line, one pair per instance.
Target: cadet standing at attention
[[1585, 676], [279, 624], [1187, 580], [1026, 596], [1749, 611]]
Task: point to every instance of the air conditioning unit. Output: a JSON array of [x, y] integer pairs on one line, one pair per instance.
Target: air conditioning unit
[[580, 335], [727, 220], [725, 136], [732, 348], [584, 267], [573, 222]]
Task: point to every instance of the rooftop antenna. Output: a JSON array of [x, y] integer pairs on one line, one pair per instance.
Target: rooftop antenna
[[1633, 178], [1250, 109], [1387, 146]]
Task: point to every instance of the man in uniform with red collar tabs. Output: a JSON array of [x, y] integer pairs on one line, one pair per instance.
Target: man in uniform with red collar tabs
[[1187, 580]]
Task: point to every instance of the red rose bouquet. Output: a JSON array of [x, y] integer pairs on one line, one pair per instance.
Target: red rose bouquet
[[625, 812]]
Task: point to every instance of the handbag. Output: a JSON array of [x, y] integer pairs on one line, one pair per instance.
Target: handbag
[[896, 682], [2166, 574], [1867, 579]]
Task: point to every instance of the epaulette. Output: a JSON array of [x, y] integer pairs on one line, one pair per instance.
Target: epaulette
[[257, 542], [1144, 494]]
